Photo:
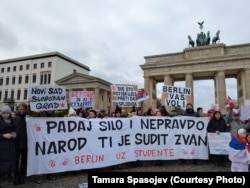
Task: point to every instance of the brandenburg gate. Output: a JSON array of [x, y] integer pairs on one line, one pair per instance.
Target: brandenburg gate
[[215, 61]]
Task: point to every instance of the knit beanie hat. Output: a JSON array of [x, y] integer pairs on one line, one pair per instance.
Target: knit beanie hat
[[5, 109], [240, 131]]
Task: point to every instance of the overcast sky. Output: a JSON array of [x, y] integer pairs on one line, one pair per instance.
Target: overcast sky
[[112, 37]]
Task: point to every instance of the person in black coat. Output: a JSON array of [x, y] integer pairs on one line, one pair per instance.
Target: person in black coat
[[21, 146], [164, 111], [189, 111], [217, 125], [8, 132]]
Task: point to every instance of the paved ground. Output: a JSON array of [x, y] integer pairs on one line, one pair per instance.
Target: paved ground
[[72, 180]]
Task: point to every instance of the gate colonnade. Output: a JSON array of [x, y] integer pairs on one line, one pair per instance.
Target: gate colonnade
[[216, 61]]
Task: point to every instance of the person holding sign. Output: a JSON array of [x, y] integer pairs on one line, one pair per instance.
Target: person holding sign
[[102, 114], [149, 112], [173, 113], [190, 111], [200, 112], [217, 125], [158, 113], [82, 112], [92, 114], [118, 111], [49, 113], [164, 111]]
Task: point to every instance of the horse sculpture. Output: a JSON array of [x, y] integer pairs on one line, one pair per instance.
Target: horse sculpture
[[216, 38], [201, 39], [191, 42], [208, 38]]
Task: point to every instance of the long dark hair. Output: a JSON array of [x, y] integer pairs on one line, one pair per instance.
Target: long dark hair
[[216, 112]]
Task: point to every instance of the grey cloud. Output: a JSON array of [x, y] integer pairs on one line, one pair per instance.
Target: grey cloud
[[112, 37]]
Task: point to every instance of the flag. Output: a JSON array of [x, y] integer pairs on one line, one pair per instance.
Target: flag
[[142, 95], [229, 102], [238, 155]]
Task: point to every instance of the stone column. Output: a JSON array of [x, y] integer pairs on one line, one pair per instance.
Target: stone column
[[151, 93], [246, 86], [189, 83], [240, 84], [243, 86], [96, 101], [145, 104], [105, 100], [152, 85], [168, 80], [220, 90]]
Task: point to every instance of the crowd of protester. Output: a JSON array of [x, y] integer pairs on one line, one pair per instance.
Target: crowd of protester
[[13, 134]]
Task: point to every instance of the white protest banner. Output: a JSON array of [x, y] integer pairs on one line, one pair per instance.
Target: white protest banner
[[176, 96], [244, 112], [123, 95], [74, 143], [219, 143], [215, 107], [247, 102], [45, 98], [81, 99]]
